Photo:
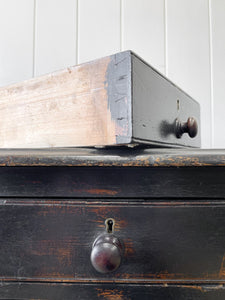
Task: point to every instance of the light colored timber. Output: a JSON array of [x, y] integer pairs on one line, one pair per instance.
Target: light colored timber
[[63, 109]]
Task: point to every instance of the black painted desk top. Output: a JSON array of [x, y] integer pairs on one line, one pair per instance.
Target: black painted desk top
[[117, 157]]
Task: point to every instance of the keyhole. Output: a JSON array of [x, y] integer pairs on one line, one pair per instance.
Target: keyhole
[[110, 223]]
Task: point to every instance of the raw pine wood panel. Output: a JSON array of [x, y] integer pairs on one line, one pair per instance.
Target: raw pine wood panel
[[143, 30], [16, 40], [77, 106], [98, 28], [55, 35], [218, 64], [188, 54]]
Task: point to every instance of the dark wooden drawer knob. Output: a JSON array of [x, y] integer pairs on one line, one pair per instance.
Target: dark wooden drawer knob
[[106, 253], [190, 127]]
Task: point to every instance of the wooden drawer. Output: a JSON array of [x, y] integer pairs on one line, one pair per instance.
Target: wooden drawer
[[163, 241], [115, 100]]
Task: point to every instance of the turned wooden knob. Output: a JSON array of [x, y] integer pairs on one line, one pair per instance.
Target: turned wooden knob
[[106, 253], [190, 127]]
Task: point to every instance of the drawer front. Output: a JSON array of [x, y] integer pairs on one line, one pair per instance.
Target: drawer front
[[113, 182], [161, 241], [109, 292], [157, 103]]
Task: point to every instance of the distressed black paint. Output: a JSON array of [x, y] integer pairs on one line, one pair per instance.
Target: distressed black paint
[[61, 291], [117, 182], [168, 207], [166, 242]]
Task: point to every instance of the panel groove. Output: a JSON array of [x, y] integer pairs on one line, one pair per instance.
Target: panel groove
[[166, 42], [16, 40], [189, 56], [34, 36], [77, 32], [211, 73], [55, 39]]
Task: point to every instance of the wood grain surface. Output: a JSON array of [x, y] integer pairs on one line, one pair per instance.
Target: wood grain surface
[[77, 106], [118, 182], [163, 242]]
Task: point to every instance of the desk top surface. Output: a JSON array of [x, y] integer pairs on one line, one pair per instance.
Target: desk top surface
[[113, 157]]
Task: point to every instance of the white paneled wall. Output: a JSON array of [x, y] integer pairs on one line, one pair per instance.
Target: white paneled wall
[[218, 71], [55, 35], [98, 28], [143, 30], [16, 40], [183, 39], [188, 54]]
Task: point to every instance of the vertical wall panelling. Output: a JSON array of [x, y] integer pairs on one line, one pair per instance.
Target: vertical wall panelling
[[98, 28], [55, 38], [183, 39], [165, 41], [143, 30], [16, 40], [188, 54], [218, 64]]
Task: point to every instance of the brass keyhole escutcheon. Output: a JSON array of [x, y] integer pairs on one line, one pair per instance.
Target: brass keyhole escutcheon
[[110, 224]]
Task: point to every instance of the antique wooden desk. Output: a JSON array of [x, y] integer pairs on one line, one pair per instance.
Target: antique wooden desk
[[167, 208]]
